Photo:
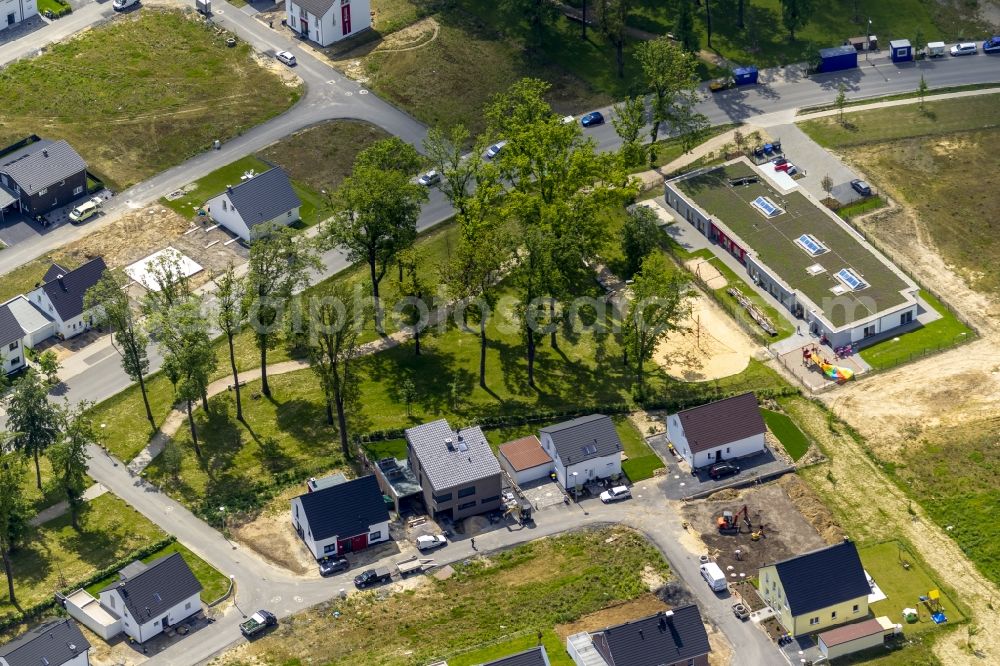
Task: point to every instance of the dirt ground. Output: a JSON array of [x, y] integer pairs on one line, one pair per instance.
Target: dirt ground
[[713, 346], [787, 531]]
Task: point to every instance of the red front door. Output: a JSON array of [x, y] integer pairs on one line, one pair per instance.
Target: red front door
[[304, 26], [352, 544], [345, 18]]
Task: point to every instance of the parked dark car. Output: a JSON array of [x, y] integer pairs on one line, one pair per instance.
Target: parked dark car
[[861, 187], [331, 565], [592, 119], [722, 469], [371, 577]]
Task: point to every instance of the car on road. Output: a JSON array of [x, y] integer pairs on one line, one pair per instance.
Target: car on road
[[85, 211], [331, 565], [431, 541], [371, 577], [495, 149], [992, 45], [722, 469], [615, 494], [432, 177], [861, 187], [285, 57], [965, 48], [122, 5], [258, 623], [592, 119]]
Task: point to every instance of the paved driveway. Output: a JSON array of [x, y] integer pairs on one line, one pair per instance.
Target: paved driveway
[[678, 484], [817, 162]]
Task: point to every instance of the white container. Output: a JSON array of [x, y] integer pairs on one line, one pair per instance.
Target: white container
[[935, 49]]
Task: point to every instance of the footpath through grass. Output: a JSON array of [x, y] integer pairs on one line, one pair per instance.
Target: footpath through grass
[[941, 333], [490, 606], [140, 94], [56, 555], [213, 583]]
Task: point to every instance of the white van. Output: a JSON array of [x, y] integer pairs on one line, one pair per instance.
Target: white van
[[713, 575], [122, 5], [84, 211], [935, 49]]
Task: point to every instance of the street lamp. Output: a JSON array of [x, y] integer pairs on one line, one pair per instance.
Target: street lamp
[[868, 41], [576, 491]]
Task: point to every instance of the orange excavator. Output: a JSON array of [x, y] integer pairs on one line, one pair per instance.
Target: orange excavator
[[729, 523]]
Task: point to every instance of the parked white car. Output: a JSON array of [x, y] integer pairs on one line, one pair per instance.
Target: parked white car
[[121, 5], [495, 149], [431, 541], [615, 494], [430, 178]]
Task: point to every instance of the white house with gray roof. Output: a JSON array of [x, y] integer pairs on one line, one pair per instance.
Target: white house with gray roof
[[456, 469], [11, 341], [62, 293], [58, 643], [583, 450], [257, 205], [328, 21]]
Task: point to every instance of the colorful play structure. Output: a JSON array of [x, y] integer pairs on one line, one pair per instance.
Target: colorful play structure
[[831, 371]]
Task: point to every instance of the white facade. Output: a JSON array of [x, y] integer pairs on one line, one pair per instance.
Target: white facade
[[64, 329], [328, 547], [89, 612], [223, 212], [727, 451], [525, 475], [12, 357], [36, 326], [13, 12], [601, 467], [155, 625], [342, 19]]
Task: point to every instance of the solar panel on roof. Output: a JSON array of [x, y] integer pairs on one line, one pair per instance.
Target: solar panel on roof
[[810, 244], [766, 206], [848, 277]]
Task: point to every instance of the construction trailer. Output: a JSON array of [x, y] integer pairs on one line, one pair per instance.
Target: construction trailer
[[837, 58], [900, 50], [745, 75]]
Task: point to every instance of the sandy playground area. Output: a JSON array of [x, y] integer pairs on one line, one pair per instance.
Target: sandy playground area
[[712, 347]]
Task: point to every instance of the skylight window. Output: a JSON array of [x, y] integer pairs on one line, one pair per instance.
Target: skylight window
[[767, 207], [808, 243], [851, 279]]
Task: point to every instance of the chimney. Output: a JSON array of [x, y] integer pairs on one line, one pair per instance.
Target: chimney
[[45, 152], [449, 443], [229, 188], [61, 283], [668, 613]]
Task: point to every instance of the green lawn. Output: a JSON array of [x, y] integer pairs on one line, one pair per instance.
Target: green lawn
[[905, 122], [57, 7], [942, 333], [483, 611], [57, 556], [862, 207], [784, 428], [140, 94], [121, 419], [214, 583], [24, 278], [902, 587]]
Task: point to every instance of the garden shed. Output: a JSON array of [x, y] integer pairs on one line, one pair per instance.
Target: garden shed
[[837, 58]]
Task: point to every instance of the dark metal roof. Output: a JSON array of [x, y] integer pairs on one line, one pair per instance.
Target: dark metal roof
[[721, 422], [344, 510], [10, 330], [669, 637], [54, 271], [467, 458], [822, 578], [584, 438], [41, 164], [835, 51], [49, 644], [67, 293], [164, 583], [263, 197], [536, 656], [316, 7]]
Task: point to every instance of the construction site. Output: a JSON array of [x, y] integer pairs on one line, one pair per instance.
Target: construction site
[[746, 529]]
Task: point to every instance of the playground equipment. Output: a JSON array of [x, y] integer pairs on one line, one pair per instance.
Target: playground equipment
[[835, 372], [933, 604]]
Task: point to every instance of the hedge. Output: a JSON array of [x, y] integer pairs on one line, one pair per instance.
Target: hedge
[[35, 611]]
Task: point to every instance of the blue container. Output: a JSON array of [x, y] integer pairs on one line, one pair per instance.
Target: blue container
[[838, 58], [745, 75], [900, 50]]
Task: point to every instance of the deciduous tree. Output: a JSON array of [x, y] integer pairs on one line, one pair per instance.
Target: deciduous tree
[[109, 303], [827, 184], [795, 14], [48, 363], [671, 76], [12, 509], [279, 266], [614, 25], [446, 151], [922, 91], [640, 235], [69, 459], [660, 302], [840, 102], [629, 120], [684, 30], [169, 281], [35, 422], [230, 317]]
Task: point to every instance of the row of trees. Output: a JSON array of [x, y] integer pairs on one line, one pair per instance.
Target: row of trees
[[39, 427]]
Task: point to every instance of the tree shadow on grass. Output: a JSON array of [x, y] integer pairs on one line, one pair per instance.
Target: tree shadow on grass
[[32, 565], [305, 422], [437, 375]]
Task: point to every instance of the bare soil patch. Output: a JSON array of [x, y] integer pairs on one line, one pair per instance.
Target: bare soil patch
[[712, 347], [787, 531], [642, 607]]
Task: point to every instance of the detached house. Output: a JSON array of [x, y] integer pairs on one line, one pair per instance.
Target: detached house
[[341, 518], [152, 597], [257, 205], [328, 21], [583, 449], [817, 590], [456, 470], [11, 342], [58, 643], [669, 638], [38, 175], [61, 294], [720, 430], [15, 11], [536, 656]]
